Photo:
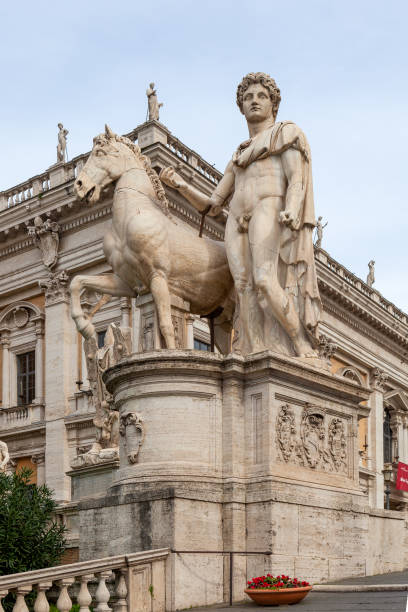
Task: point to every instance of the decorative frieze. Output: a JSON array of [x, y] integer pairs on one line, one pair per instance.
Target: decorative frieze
[[312, 438]]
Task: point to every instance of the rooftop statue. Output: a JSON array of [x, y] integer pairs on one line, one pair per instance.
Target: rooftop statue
[[146, 247], [371, 273], [268, 235], [153, 104], [319, 232], [62, 143]]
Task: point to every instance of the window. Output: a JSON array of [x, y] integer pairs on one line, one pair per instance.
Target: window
[[101, 338], [25, 378], [387, 436], [201, 346]]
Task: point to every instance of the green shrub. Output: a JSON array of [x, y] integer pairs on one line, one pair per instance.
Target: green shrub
[[30, 538]]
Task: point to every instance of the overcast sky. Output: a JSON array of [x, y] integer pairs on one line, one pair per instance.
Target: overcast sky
[[341, 66]]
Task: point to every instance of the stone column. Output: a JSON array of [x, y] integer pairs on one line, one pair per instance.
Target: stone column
[[59, 383], [405, 453], [135, 326], [124, 309], [39, 361], [378, 379], [190, 331], [5, 341], [39, 461], [397, 435]]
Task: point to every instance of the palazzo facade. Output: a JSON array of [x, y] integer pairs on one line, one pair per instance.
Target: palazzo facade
[[47, 409]]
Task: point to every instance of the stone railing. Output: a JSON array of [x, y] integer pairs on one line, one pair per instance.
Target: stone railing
[[351, 279], [19, 416], [135, 582], [38, 185]]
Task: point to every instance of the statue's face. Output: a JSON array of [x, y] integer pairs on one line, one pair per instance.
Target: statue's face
[[257, 104]]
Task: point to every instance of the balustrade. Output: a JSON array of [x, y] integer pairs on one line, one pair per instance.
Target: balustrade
[[86, 582]]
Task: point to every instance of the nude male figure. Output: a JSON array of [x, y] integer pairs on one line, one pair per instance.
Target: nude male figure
[[268, 235]]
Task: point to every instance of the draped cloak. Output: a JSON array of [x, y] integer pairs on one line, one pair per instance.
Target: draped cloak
[[297, 272]]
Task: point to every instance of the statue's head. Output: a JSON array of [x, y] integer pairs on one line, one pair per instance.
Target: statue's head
[[258, 96], [111, 156], [320, 218], [151, 85], [60, 126]]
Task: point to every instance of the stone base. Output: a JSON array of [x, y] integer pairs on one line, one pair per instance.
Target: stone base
[[231, 454], [92, 480]]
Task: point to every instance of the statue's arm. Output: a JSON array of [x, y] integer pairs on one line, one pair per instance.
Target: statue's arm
[[292, 163], [200, 201]]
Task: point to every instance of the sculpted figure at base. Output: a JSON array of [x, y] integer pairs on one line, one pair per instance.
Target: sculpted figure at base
[[4, 457], [268, 236], [116, 346]]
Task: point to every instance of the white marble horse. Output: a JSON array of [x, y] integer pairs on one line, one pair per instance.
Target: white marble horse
[[146, 247]]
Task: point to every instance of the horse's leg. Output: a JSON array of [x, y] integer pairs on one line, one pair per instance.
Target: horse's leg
[[161, 296], [110, 284]]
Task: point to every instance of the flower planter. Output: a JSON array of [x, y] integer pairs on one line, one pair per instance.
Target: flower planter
[[278, 597]]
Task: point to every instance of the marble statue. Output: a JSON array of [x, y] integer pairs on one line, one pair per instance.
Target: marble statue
[[117, 345], [62, 143], [319, 232], [268, 236], [46, 234], [371, 273], [153, 104], [4, 457], [148, 249]]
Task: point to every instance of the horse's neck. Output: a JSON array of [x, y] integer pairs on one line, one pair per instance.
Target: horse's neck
[[132, 178]]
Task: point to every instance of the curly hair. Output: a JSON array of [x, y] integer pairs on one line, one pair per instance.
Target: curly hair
[[264, 79]]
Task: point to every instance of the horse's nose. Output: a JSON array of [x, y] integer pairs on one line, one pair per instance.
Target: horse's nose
[[79, 184]]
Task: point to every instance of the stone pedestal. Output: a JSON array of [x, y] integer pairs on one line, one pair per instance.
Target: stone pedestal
[[226, 453]]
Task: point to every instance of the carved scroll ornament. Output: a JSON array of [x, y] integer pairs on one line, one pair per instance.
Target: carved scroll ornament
[[133, 431]]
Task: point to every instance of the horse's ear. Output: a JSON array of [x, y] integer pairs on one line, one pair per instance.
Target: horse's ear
[[108, 131]]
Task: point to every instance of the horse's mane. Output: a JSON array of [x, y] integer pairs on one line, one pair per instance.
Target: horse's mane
[[162, 201]]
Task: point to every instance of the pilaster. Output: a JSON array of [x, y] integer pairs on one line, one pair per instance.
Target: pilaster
[[378, 379], [58, 381]]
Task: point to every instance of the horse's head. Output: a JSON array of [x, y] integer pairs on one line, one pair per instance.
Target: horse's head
[[110, 157]]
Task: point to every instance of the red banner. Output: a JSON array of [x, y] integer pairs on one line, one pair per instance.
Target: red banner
[[402, 477]]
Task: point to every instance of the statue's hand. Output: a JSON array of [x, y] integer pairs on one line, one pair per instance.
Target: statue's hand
[[170, 177], [286, 217]]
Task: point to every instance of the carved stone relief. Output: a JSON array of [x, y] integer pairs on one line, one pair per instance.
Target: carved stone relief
[[46, 234], [312, 439], [327, 348], [133, 431], [56, 287], [285, 431], [338, 444]]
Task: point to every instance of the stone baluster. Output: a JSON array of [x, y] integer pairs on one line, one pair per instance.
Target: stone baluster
[[64, 603], [102, 594], [20, 605], [121, 592], [41, 602], [3, 593], [84, 597]]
